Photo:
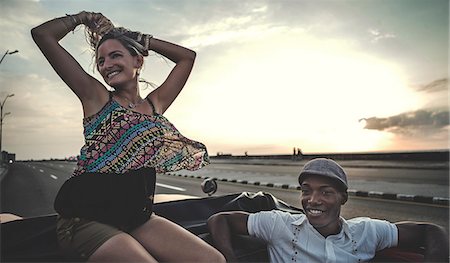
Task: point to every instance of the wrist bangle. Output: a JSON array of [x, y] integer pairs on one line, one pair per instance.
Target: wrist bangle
[[65, 24], [77, 19], [139, 37], [147, 41], [73, 20]]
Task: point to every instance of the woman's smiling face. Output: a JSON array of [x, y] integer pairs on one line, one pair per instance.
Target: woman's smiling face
[[115, 63], [322, 202]]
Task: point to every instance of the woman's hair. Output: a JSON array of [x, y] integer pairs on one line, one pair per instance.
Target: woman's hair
[[96, 30], [129, 40], [104, 29]]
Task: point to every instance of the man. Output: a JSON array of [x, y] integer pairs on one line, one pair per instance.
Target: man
[[321, 234]]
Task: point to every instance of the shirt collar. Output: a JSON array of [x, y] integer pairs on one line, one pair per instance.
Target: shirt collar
[[301, 220], [345, 227]]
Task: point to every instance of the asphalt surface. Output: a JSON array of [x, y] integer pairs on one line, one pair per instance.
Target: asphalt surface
[[412, 181], [30, 188], [392, 210]]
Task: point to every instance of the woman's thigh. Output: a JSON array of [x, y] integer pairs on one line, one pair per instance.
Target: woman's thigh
[[79, 238], [121, 248], [83, 240], [167, 241]]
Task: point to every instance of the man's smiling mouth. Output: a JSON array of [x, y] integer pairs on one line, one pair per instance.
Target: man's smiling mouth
[[314, 212]]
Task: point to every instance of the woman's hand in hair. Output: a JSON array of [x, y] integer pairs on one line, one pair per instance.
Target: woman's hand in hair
[[93, 20], [97, 26]]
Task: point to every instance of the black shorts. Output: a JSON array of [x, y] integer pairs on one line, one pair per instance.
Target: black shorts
[[124, 201]]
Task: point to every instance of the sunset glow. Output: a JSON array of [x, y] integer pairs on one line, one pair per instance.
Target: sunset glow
[[344, 76]]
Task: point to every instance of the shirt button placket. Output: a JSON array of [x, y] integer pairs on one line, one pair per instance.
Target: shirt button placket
[[294, 242]]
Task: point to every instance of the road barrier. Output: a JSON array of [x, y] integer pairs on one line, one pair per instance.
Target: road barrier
[[352, 192]]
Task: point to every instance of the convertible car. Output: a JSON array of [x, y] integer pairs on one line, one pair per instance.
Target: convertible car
[[34, 239]]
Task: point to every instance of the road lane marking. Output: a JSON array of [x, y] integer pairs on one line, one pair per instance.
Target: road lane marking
[[54, 177], [40, 170], [171, 187]]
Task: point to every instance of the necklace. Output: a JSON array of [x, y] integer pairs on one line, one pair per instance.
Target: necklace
[[132, 105]]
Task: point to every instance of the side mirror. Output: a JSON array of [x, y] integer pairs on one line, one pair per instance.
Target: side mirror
[[209, 186]]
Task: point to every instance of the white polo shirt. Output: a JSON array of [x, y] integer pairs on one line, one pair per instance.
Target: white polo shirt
[[291, 238]]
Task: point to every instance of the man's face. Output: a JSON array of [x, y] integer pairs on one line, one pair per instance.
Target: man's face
[[322, 202]]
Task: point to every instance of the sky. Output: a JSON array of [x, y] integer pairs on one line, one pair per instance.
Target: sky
[[322, 76]]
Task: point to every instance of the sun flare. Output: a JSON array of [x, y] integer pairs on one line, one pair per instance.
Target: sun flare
[[310, 95]]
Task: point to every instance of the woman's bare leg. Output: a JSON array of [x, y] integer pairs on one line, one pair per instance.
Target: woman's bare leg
[[121, 248], [167, 241]]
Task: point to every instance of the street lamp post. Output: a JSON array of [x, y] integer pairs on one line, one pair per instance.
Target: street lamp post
[[8, 53], [2, 117]]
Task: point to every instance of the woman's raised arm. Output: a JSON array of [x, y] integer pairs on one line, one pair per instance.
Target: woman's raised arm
[[47, 36], [184, 58]]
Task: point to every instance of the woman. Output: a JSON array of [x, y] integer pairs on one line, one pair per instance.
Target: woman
[[105, 208]]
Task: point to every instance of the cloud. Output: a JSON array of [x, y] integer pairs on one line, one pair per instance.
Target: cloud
[[377, 35], [235, 28], [427, 120], [261, 9], [435, 86], [215, 37], [433, 118], [42, 112]]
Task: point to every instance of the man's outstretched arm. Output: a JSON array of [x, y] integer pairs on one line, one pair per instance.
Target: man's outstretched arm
[[222, 226]]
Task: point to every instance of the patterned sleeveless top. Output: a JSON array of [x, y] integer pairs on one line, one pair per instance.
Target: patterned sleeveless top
[[118, 140]]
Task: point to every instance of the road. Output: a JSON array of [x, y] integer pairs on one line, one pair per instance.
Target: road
[[405, 178], [30, 188]]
